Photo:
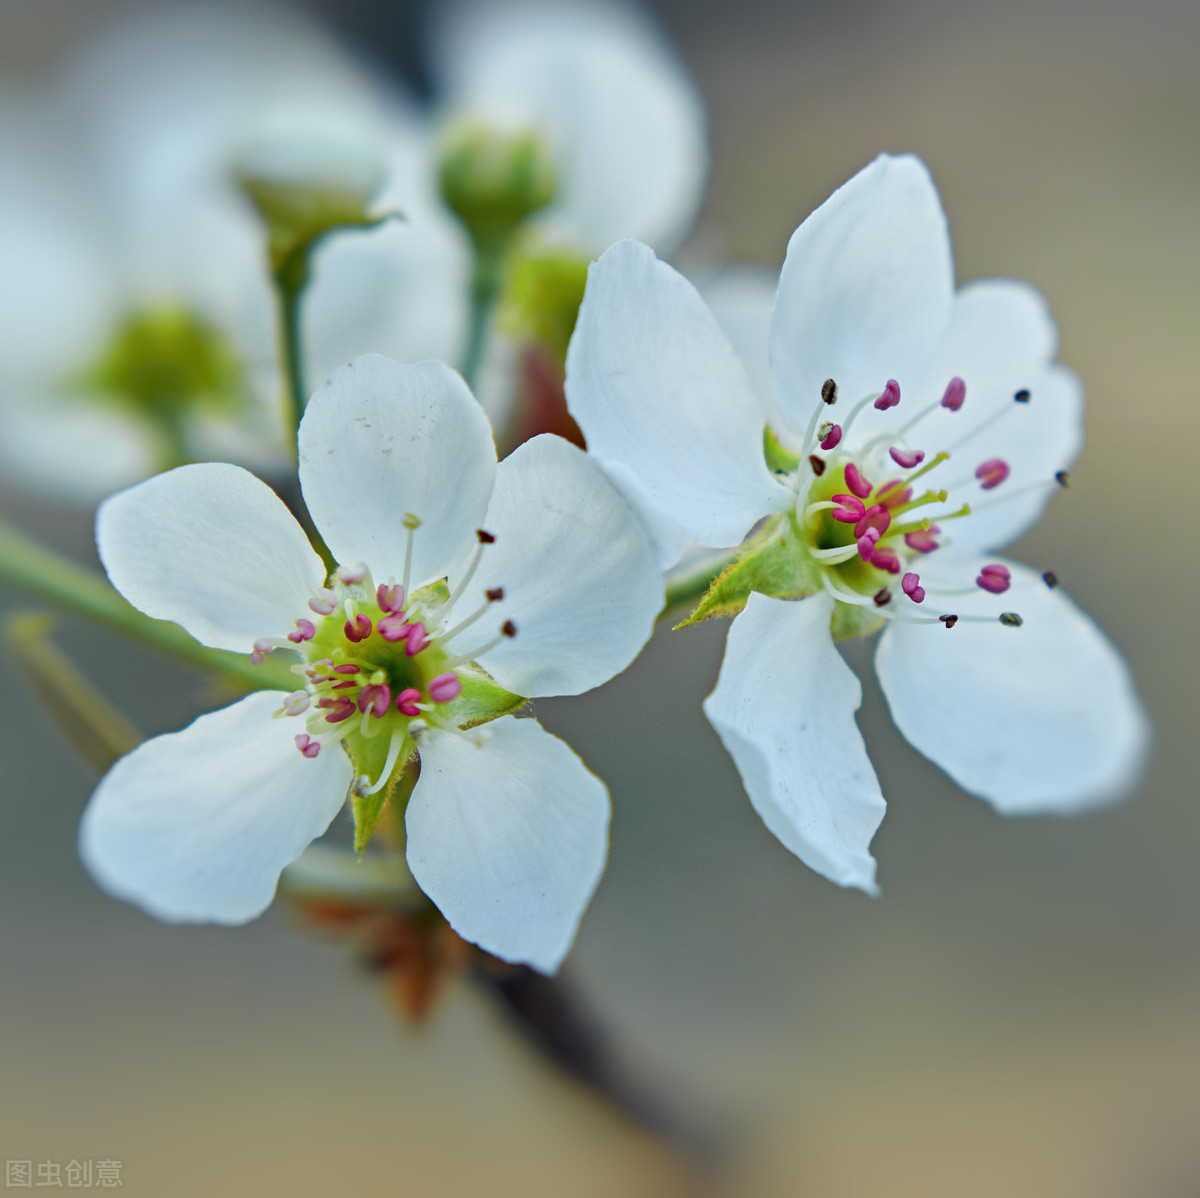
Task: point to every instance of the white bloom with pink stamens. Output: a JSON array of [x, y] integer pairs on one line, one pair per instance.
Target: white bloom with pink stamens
[[953, 427], [464, 587]]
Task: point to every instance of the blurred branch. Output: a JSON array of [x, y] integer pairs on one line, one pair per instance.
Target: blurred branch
[[44, 573]]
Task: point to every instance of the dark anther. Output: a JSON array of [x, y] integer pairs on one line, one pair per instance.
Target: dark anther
[[949, 621], [1022, 396], [1062, 478], [1050, 579], [508, 628], [883, 597], [495, 594], [1010, 619], [817, 464], [829, 391], [485, 538]]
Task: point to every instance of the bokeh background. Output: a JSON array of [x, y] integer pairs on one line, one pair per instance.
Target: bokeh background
[[1019, 1014]]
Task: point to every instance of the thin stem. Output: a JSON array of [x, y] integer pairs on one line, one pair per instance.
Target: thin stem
[[290, 280], [485, 287], [59, 580]]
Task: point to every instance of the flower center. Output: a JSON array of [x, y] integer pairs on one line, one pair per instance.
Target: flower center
[[869, 512], [381, 664]]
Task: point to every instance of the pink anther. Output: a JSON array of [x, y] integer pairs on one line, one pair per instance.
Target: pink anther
[[894, 494], [407, 700], [906, 458], [856, 481], [831, 438], [350, 575], [910, 584], [992, 473], [324, 603], [394, 627], [347, 667], [341, 708], [305, 743], [415, 640], [377, 698], [867, 543], [848, 509], [390, 597], [890, 397], [885, 559], [995, 579], [359, 630], [445, 687], [258, 654], [955, 393], [921, 541], [305, 631], [876, 517]]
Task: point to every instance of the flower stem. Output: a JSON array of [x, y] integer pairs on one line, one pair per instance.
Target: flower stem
[[485, 287], [290, 280], [59, 580]]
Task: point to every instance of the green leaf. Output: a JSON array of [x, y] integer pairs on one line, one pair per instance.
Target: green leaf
[[774, 563]]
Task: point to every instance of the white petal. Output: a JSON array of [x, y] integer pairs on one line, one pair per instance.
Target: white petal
[[1001, 341], [213, 549], [580, 574], [379, 440], [660, 394], [508, 834], [784, 708], [742, 298], [1041, 718], [625, 124], [195, 826], [865, 292]]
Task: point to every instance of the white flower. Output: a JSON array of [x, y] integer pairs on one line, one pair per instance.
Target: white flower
[[624, 123], [122, 225], [551, 587], [952, 427]]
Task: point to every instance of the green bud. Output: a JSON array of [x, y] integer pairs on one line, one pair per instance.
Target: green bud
[[304, 190], [493, 181]]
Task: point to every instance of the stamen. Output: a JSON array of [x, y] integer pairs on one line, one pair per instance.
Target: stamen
[[830, 434], [992, 473], [445, 687], [416, 640], [849, 509], [842, 553], [817, 464], [305, 631], [910, 584], [894, 494], [359, 630], [829, 391], [305, 743], [955, 393], [376, 699], [259, 652], [882, 597], [351, 575], [1023, 395], [995, 579], [877, 517], [922, 541], [394, 627], [906, 458], [297, 703], [885, 559], [407, 700], [866, 544], [890, 397], [1062, 478], [411, 522], [856, 482], [949, 620], [390, 598], [338, 709], [323, 602], [1010, 619], [1050, 579]]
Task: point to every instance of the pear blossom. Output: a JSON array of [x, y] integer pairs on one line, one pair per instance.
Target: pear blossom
[[134, 288], [624, 123], [463, 588], [913, 429]]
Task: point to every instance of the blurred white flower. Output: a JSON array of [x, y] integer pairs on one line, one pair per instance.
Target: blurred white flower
[[550, 587], [132, 268], [880, 515]]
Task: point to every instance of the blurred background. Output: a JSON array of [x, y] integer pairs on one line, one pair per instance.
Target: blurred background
[[1019, 1014]]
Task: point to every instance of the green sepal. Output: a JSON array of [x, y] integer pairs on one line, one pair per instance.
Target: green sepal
[[369, 758], [480, 701], [774, 563], [779, 459], [851, 620]]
